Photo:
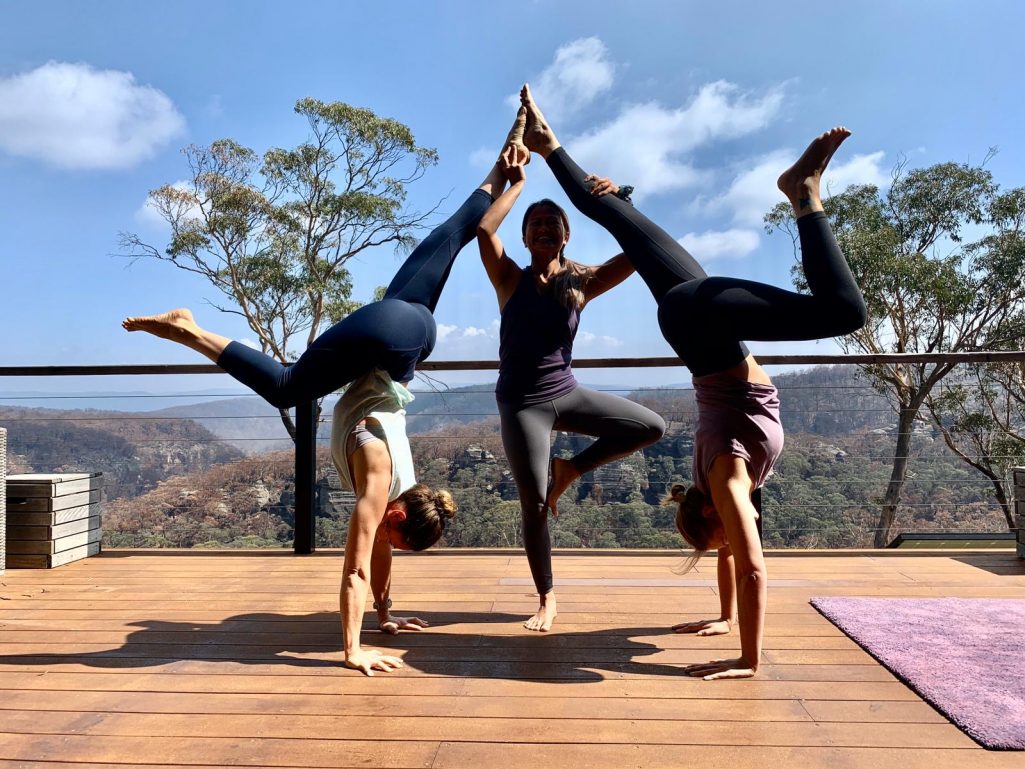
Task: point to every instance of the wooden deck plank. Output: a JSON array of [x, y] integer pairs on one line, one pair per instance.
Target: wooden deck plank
[[99, 680], [465, 754], [516, 728], [194, 659], [225, 751]]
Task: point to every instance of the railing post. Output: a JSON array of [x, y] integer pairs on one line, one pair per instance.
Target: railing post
[[305, 477], [1018, 477]]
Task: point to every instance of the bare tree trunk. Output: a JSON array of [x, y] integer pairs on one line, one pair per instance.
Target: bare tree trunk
[[1005, 504], [289, 423], [897, 476]]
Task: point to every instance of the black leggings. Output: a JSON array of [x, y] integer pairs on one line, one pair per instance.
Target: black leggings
[[621, 427], [705, 319], [394, 334]]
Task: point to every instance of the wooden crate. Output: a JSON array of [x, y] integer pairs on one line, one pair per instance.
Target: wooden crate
[[52, 518]]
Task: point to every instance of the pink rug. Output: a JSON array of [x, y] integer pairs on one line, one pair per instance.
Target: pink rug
[[965, 656]]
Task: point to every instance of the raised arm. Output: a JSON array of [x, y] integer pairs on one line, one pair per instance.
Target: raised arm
[[618, 268], [371, 465], [608, 275], [502, 271]]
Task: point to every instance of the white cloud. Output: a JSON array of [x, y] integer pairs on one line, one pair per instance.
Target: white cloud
[[712, 244], [753, 192], [75, 116], [580, 72], [647, 145], [587, 341], [467, 342], [860, 169]]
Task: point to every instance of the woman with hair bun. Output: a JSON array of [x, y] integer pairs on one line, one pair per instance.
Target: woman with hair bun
[[706, 320], [374, 351]]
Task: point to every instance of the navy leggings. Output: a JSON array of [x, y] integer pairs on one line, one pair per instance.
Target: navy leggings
[[393, 334], [705, 319]]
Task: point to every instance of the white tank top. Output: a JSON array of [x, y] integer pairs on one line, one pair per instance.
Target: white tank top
[[375, 396]]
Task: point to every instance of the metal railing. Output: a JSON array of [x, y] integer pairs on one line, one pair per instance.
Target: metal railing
[[306, 413]]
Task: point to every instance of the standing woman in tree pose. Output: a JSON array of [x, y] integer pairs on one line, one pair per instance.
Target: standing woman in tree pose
[[375, 351], [536, 392], [705, 320]]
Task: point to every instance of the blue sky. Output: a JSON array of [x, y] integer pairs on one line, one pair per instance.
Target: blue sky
[[699, 105]]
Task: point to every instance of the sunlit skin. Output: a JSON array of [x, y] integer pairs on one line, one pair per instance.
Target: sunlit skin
[[545, 236], [374, 528], [741, 566]]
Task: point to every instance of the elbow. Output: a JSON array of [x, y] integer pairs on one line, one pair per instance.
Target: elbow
[[485, 230], [753, 577]]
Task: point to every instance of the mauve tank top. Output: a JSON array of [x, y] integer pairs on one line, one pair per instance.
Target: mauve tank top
[[535, 349], [738, 418]]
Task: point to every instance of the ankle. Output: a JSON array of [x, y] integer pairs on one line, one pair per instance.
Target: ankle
[[805, 206], [548, 148]]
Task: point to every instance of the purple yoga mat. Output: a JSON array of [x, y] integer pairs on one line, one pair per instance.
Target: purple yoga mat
[[966, 656]]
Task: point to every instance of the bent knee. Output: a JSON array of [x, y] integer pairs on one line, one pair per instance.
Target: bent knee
[[657, 429], [849, 316], [534, 512]]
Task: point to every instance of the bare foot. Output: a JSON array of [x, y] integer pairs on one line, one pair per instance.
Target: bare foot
[[800, 183], [546, 614], [538, 135], [175, 325], [515, 137], [563, 472]]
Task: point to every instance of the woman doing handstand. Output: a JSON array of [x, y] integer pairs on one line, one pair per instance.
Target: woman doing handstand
[[375, 351], [705, 320]]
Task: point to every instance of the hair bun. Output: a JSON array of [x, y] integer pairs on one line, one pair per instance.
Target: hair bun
[[677, 493], [445, 504]]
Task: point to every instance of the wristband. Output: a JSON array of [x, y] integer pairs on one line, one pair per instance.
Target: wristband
[[386, 604], [624, 193]]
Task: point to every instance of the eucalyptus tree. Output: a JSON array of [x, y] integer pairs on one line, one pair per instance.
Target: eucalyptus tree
[[938, 256], [273, 233]]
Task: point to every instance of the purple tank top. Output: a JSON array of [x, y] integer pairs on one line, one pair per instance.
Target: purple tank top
[[738, 418], [535, 349]]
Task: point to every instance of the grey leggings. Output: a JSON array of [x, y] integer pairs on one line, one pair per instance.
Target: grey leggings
[[621, 427]]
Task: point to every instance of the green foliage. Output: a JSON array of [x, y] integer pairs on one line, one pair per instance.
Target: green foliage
[[273, 233], [929, 290]]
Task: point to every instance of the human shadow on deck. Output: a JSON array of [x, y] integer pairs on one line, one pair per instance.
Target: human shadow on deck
[[1002, 564], [477, 645]]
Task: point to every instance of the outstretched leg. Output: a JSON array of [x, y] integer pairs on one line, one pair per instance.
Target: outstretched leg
[[179, 326], [345, 351], [394, 334], [731, 309], [658, 258], [423, 275]]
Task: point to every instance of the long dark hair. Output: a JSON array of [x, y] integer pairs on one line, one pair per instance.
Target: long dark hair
[[568, 284]]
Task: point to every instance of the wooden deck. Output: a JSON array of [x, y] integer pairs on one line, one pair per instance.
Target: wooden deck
[[211, 659]]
